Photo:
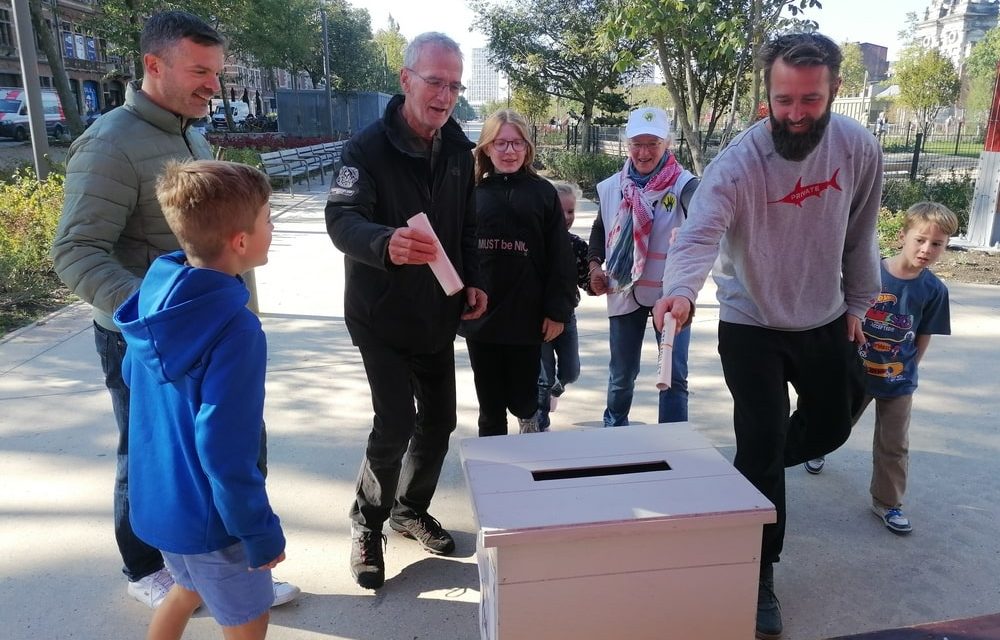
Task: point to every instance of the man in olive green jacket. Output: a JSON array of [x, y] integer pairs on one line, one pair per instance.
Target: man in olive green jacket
[[112, 227]]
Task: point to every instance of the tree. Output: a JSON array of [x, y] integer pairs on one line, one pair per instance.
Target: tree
[[980, 71], [550, 45], [852, 70], [927, 81], [71, 108], [393, 44], [463, 110], [530, 102], [356, 61], [702, 49]]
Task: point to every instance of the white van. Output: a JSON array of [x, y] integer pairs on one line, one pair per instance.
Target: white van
[[14, 113], [239, 109]]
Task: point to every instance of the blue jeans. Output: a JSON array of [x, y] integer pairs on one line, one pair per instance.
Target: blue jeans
[[560, 363], [626, 335], [140, 559]]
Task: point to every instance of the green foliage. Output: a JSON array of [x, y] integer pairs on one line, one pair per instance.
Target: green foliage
[[927, 81], [852, 70], [585, 169], [29, 214], [890, 223], [392, 43], [954, 192], [531, 102]]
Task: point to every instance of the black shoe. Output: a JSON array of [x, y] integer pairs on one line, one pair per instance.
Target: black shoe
[[426, 530], [367, 562], [768, 608]]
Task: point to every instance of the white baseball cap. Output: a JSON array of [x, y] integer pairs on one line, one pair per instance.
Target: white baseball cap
[[648, 121]]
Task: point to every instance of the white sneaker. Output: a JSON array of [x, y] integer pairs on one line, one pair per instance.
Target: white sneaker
[[152, 589], [284, 592]]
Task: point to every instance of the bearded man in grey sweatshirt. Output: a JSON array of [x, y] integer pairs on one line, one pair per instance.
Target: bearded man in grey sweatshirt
[[789, 209]]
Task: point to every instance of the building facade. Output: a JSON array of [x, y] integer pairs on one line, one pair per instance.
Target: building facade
[[485, 79], [955, 26]]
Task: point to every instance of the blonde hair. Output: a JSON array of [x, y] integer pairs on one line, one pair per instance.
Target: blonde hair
[[931, 213], [564, 188], [206, 202], [491, 129]]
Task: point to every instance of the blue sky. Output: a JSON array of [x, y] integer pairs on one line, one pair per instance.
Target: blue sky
[[875, 21]]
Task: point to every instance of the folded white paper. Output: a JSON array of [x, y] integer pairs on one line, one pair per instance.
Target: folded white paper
[[442, 267], [664, 364]]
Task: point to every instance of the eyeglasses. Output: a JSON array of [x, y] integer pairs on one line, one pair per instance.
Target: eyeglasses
[[503, 145], [645, 146], [456, 88]]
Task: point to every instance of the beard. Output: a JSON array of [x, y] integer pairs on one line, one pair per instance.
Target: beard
[[796, 146]]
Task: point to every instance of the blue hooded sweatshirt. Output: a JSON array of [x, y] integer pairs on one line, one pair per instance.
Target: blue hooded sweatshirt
[[195, 366]]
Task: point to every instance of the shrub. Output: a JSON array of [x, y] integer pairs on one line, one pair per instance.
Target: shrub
[[585, 169], [889, 224], [955, 192], [29, 214]]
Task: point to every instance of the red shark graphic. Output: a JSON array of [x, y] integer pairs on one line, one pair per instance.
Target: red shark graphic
[[800, 193]]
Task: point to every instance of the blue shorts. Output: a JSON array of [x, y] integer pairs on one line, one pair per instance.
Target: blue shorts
[[233, 594]]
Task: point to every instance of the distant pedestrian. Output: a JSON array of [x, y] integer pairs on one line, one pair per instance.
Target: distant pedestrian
[[913, 306], [195, 366]]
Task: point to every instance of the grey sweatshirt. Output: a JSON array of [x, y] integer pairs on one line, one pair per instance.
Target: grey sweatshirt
[[796, 241]]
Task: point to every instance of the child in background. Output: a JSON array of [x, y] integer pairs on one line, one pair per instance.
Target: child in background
[[195, 364], [561, 357], [913, 305]]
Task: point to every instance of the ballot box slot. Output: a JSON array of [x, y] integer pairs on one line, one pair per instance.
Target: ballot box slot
[[600, 470]]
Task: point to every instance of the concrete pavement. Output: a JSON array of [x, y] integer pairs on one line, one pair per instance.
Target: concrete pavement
[[842, 572]]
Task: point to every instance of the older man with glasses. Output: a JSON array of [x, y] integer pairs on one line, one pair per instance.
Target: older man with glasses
[[640, 207], [416, 159]]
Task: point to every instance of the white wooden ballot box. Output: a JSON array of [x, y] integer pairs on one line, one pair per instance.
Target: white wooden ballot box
[[628, 532]]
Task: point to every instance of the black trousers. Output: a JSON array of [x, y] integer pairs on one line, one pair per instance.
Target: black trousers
[[413, 396], [823, 367], [506, 377]]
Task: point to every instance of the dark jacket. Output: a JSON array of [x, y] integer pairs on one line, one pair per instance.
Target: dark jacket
[[195, 366], [380, 186], [525, 257]]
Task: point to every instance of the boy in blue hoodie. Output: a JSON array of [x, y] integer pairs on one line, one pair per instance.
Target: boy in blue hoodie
[[195, 365]]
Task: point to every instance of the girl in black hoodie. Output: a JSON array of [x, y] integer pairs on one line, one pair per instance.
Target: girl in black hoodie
[[527, 271]]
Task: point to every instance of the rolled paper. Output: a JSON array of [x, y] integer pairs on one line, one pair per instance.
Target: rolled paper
[[665, 362], [553, 402], [442, 267]]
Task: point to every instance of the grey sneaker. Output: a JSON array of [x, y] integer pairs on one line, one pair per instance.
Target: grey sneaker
[[152, 589], [528, 425], [284, 592], [815, 465], [426, 530], [769, 625], [893, 519], [367, 561]]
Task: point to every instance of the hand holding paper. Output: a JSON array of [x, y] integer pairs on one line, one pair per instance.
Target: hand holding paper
[[442, 267], [664, 368]]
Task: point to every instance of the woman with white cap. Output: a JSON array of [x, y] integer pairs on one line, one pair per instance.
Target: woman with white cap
[[640, 207]]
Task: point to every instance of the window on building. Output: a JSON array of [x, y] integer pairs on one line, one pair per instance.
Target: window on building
[[6, 30]]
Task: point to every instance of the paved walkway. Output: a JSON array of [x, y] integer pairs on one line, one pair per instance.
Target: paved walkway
[[842, 572]]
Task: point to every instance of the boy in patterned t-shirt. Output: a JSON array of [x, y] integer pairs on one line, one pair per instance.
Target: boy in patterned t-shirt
[[913, 305]]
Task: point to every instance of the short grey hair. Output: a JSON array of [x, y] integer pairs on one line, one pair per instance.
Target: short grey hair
[[428, 38]]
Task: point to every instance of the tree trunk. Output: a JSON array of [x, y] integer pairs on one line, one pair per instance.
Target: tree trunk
[[230, 125], [69, 104], [588, 114], [697, 158]]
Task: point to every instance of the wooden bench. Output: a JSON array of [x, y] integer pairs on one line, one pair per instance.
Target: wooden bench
[[277, 164]]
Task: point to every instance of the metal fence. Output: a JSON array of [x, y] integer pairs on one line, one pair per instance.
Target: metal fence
[[907, 152]]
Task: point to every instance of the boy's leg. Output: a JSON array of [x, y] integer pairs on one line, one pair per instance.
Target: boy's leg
[[253, 630], [171, 618], [546, 378], [567, 348], [521, 364], [674, 401], [890, 450]]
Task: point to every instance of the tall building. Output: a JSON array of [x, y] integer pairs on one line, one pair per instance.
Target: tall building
[[484, 83], [954, 26]]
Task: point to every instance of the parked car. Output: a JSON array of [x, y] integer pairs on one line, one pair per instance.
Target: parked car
[[14, 113], [239, 110]]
